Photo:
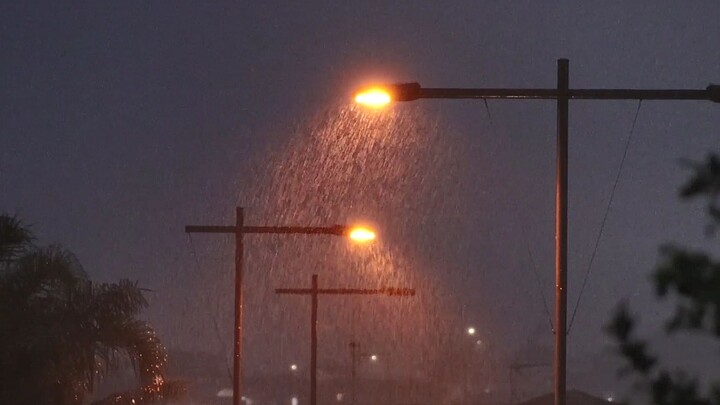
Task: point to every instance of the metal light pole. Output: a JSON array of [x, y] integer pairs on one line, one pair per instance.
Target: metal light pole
[[314, 291], [471, 332], [561, 198], [379, 96], [237, 339], [239, 229]]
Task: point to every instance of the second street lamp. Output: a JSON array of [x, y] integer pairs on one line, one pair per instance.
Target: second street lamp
[[358, 234], [379, 96]]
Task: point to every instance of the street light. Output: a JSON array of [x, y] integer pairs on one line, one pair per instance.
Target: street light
[[471, 332], [375, 97], [393, 92], [379, 96], [360, 234]]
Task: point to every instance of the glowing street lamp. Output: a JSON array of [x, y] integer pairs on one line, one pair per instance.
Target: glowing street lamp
[[374, 357], [375, 97], [361, 234], [293, 367], [471, 331], [380, 96]]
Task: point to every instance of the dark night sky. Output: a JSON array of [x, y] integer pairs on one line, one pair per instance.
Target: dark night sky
[[120, 122]]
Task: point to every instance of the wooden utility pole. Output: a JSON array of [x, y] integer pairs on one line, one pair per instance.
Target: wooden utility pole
[[314, 291], [239, 229]]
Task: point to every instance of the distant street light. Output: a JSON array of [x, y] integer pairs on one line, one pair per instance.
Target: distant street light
[[471, 331], [293, 367], [355, 354], [358, 234], [380, 96]]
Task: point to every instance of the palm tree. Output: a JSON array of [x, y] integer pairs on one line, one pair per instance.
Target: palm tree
[[61, 333], [15, 238]]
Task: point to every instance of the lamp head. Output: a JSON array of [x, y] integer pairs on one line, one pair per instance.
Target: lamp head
[[381, 95]]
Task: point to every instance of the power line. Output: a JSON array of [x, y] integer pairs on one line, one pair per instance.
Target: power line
[[539, 284], [487, 108], [605, 217], [527, 244]]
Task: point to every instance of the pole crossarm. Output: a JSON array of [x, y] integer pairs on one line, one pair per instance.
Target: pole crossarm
[[338, 230], [391, 291], [405, 92]]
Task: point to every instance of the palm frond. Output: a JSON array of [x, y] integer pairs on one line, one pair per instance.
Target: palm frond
[[70, 332], [15, 238]]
